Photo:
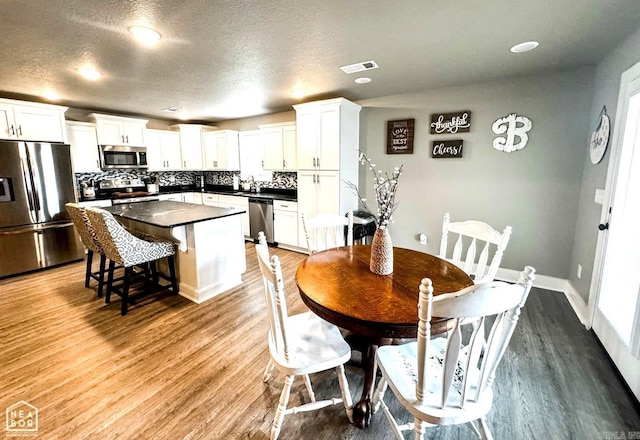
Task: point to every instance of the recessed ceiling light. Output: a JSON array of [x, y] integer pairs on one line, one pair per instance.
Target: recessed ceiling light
[[171, 109], [362, 80], [50, 95], [524, 47], [145, 35], [89, 73]]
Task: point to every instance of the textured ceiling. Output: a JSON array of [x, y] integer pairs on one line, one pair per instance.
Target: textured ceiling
[[222, 60]]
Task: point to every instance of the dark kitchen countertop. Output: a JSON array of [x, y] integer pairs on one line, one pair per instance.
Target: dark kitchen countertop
[[290, 195], [167, 213]]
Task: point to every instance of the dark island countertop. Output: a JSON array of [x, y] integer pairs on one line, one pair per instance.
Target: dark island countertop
[[168, 214]]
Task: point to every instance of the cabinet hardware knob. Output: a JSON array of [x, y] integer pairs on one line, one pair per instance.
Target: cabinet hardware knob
[[284, 163], [314, 162], [19, 130], [318, 162], [12, 130]]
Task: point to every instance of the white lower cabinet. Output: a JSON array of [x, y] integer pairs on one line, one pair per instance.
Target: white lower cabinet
[[186, 197], [95, 203], [237, 202], [285, 222], [210, 199], [176, 197]]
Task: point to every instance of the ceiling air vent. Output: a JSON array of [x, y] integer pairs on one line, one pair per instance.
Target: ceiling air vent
[[359, 67], [170, 109]]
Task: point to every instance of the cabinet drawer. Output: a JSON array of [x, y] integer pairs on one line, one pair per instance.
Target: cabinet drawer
[[234, 200], [210, 199], [283, 205]]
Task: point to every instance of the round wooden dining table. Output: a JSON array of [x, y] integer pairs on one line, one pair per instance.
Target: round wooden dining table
[[376, 310]]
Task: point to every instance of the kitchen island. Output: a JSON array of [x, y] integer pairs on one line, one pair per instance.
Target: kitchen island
[[211, 254]]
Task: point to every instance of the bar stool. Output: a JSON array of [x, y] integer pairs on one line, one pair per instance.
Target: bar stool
[[90, 241], [123, 248]]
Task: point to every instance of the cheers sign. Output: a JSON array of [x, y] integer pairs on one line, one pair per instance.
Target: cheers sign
[[451, 123], [446, 149]]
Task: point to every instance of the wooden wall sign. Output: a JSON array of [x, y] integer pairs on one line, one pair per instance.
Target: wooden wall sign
[[400, 136], [451, 123], [515, 129], [442, 149]]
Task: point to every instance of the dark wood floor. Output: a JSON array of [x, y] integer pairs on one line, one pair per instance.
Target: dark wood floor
[[172, 369]]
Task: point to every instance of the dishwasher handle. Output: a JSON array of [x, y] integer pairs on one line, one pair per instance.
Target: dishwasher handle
[[261, 201]]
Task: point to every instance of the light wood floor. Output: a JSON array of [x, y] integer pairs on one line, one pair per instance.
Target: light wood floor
[[172, 369]]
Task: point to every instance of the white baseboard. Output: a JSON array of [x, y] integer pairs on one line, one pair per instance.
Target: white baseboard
[[555, 284]]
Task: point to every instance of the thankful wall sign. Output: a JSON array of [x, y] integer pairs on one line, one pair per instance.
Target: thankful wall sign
[[451, 123]]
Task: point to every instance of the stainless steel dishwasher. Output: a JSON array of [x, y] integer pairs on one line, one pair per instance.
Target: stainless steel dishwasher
[[261, 218]]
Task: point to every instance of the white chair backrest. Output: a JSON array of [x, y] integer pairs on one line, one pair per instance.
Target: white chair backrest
[[460, 353], [326, 231], [474, 234], [276, 300]]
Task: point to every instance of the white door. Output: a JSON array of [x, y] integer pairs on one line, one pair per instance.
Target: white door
[[615, 289]]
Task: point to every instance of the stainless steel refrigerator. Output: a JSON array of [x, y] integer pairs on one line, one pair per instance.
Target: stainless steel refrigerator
[[36, 180]]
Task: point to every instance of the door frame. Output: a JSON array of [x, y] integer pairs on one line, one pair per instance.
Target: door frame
[[628, 76]]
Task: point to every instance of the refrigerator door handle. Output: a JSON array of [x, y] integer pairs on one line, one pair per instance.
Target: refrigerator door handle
[[28, 185], [34, 177]]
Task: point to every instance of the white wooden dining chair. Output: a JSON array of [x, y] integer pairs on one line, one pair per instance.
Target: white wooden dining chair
[[326, 231], [474, 235], [299, 345], [449, 379]]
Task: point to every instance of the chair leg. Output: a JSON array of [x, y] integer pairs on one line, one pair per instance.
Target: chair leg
[[346, 393], [485, 432], [107, 296], [87, 275], [125, 290], [307, 383], [419, 428], [379, 394], [282, 407], [268, 371], [103, 262], [172, 274], [154, 272]]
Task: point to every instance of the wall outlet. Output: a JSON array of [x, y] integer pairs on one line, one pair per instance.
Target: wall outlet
[[579, 271], [423, 238]]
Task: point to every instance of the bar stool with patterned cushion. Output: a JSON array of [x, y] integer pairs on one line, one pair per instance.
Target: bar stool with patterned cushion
[[122, 247], [90, 241]]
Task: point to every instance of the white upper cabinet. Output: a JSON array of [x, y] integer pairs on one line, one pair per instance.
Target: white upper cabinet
[[30, 121], [221, 150], [120, 130], [191, 145], [84, 146], [163, 150], [327, 134], [280, 146]]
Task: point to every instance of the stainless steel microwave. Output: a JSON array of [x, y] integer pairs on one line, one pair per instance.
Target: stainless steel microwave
[[122, 156]]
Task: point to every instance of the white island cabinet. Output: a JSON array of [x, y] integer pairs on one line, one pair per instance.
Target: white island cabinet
[[211, 255]]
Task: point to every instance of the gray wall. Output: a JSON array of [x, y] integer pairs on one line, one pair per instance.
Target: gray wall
[[606, 88], [534, 190]]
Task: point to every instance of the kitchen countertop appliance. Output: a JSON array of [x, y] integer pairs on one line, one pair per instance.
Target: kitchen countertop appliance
[[36, 180]]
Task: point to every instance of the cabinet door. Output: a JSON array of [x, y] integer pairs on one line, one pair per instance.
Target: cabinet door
[[307, 200], [307, 139], [285, 227], [272, 142], [7, 123], [210, 147], [154, 150], [171, 154], [191, 147], [109, 132], [176, 197], [329, 138], [210, 199], [289, 148], [134, 133], [84, 147], [40, 124], [328, 183], [229, 159]]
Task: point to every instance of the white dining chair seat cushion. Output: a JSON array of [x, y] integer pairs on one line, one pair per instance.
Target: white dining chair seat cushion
[[399, 364], [316, 345]]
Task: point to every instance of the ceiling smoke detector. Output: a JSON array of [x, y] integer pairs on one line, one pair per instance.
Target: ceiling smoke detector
[[359, 67]]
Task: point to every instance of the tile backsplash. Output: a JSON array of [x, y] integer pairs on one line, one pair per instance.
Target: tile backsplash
[[281, 180]]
